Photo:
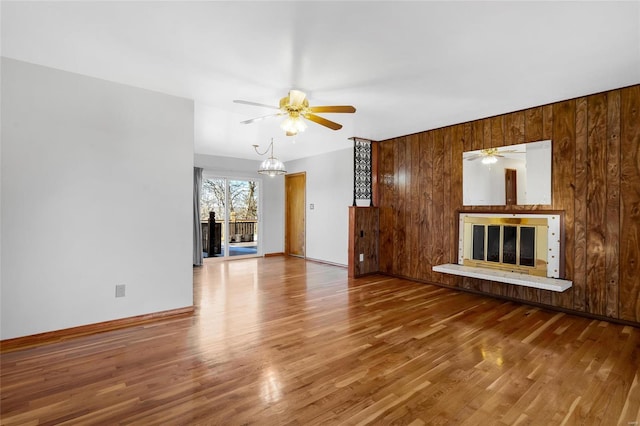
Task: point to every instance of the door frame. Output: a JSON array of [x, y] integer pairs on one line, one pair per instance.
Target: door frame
[[286, 213]]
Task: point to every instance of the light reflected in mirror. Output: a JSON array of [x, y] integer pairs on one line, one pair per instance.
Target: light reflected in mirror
[[508, 175]]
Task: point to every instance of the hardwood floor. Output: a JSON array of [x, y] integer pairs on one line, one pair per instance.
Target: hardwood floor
[[284, 341]]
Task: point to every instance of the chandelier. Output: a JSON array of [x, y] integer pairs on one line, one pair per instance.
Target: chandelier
[[271, 166]]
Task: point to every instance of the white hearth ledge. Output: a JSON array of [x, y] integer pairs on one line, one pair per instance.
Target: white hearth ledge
[[553, 284]]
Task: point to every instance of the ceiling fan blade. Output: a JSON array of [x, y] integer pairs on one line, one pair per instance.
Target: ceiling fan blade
[[296, 97], [323, 121], [474, 157], [333, 108], [259, 118], [237, 101]]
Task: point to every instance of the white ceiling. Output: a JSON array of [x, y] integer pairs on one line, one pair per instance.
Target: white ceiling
[[405, 66]]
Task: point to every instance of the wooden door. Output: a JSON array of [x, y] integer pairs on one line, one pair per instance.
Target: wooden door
[[295, 194], [510, 187]]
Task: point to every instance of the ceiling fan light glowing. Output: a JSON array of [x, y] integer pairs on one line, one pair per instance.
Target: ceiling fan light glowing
[[490, 155], [490, 159], [293, 125]]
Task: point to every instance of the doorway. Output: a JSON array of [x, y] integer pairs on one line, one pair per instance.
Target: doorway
[[229, 217], [510, 187], [295, 200]]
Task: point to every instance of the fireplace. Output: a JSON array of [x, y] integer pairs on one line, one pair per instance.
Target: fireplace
[[523, 248], [511, 243], [526, 243]]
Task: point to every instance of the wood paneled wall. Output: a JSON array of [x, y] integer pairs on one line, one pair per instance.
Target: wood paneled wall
[[363, 239], [596, 182]]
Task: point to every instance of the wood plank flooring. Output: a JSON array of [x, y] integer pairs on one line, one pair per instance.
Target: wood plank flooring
[[282, 341]]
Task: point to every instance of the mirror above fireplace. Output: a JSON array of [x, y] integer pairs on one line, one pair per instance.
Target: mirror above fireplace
[[509, 175]]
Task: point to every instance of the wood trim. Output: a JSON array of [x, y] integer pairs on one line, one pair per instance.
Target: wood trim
[[280, 253], [324, 262], [375, 178], [489, 210], [18, 343]]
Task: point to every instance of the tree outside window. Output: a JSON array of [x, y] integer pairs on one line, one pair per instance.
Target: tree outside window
[[243, 199]]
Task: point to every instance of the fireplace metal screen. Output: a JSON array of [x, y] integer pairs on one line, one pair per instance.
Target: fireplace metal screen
[[509, 243]]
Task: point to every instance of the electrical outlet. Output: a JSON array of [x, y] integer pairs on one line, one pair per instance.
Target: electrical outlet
[[312, 206], [120, 290], [361, 257]]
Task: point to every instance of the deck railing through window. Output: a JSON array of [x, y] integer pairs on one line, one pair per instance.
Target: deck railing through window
[[240, 231]]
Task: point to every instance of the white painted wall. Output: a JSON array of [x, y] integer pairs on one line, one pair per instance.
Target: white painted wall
[[330, 190], [272, 214], [96, 191]]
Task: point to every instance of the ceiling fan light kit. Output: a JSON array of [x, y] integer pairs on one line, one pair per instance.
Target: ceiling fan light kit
[[295, 106], [490, 159], [293, 125], [490, 155]]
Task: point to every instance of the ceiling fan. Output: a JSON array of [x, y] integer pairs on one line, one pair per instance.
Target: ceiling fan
[[490, 155], [295, 106]]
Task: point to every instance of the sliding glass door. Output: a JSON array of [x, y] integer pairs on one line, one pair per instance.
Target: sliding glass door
[[243, 217], [213, 203], [233, 228]]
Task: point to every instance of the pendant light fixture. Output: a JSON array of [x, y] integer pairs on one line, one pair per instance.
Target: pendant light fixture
[[271, 166]]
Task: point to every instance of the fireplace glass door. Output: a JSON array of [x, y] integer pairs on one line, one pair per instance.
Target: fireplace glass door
[[478, 242], [528, 243], [504, 244], [509, 237], [493, 243]]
